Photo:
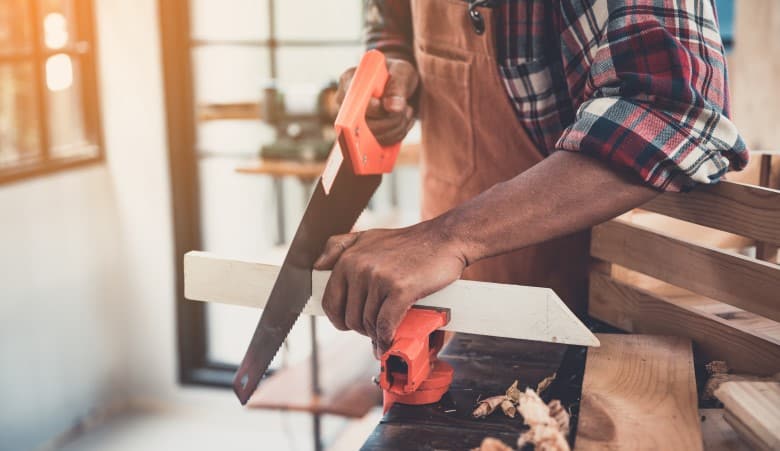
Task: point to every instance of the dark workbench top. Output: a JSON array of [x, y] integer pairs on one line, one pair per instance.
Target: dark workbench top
[[484, 366]]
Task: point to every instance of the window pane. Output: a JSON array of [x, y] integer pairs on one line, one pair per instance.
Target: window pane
[[318, 19], [19, 141], [67, 134], [317, 65], [58, 23], [229, 74], [233, 137], [229, 19], [14, 26]]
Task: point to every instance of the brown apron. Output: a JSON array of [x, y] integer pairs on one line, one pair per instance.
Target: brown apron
[[471, 140]]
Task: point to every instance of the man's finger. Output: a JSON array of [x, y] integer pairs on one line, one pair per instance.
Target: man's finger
[[356, 297], [377, 352], [335, 246], [391, 313], [371, 308], [334, 298], [344, 81], [375, 110], [386, 123], [398, 131], [400, 86]]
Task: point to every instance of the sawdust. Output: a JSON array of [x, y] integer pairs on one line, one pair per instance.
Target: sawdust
[[548, 423]]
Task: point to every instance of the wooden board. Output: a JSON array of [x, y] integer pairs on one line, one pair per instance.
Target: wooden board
[[753, 410], [346, 368], [408, 156], [484, 366], [510, 311], [734, 207], [715, 337], [639, 392], [230, 111], [726, 276], [717, 434], [305, 170]]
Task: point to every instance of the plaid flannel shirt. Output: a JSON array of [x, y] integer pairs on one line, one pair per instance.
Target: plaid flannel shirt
[[639, 84]]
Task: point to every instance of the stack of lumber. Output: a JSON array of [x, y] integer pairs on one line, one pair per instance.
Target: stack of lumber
[[727, 300], [753, 410]]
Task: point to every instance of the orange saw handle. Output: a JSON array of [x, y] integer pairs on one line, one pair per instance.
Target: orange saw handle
[[365, 152]]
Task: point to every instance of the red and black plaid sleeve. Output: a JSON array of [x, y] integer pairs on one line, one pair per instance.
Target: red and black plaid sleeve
[[648, 83], [389, 27]]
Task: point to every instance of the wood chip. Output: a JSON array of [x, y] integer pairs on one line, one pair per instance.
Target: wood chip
[[547, 432], [560, 414], [493, 444], [513, 393], [508, 407], [717, 366], [545, 383], [544, 438], [719, 374], [487, 406], [548, 423]]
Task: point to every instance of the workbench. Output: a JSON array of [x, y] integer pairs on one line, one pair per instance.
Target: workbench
[[484, 366]]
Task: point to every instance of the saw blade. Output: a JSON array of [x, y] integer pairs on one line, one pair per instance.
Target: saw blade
[[338, 199]]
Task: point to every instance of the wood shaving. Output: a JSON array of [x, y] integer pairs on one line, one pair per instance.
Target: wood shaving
[[533, 409], [545, 383], [717, 366], [560, 414], [508, 407], [513, 393], [544, 438], [487, 406], [492, 444], [548, 423]]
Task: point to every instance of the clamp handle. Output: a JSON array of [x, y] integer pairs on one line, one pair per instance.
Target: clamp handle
[[407, 364], [365, 152]]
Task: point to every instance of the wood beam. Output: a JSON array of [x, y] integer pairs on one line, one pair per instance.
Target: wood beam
[[722, 275], [499, 310]]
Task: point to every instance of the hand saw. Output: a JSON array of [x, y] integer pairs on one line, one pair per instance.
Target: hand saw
[[352, 174]]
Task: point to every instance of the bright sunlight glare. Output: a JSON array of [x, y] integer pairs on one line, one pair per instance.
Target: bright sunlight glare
[[55, 30], [59, 72]]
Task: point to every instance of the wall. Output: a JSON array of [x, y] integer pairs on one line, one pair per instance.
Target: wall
[[754, 66], [86, 270], [130, 68], [60, 275]]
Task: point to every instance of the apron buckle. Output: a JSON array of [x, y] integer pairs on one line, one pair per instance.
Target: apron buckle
[[477, 21]]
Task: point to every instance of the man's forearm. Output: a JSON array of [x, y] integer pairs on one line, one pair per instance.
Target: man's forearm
[[388, 28], [565, 193]]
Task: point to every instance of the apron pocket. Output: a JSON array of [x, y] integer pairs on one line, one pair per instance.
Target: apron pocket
[[445, 113]]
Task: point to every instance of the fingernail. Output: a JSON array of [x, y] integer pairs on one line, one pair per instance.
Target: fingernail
[[396, 103]]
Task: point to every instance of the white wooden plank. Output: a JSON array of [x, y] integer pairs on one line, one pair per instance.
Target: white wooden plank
[[499, 310]]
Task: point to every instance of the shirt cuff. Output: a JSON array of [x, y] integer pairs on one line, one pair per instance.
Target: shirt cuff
[[667, 150]]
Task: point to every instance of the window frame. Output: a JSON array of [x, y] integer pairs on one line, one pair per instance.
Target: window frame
[[83, 50]]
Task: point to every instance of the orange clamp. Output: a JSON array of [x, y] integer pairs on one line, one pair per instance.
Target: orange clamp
[[367, 155], [411, 371]]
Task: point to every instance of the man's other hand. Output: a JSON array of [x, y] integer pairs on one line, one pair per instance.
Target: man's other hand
[[379, 274], [391, 117]]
